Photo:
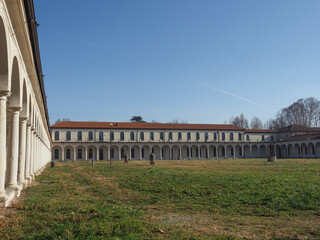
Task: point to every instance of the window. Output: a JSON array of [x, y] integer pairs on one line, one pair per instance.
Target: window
[[214, 152], [189, 136], [262, 137], [206, 136], [215, 136], [90, 136], [132, 136], [68, 136], [197, 136], [112, 153], [223, 136], [100, 136], [122, 136], [170, 136], [79, 136], [90, 153], [56, 154], [79, 153], [272, 138], [161, 136], [111, 136], [142, 136], [122, 153], [231, 136], [240, 152], [132, 152], [240, 137], [68, 154], [152, 136], [142, 152], [248, 138], [56, 136], [179, 136]]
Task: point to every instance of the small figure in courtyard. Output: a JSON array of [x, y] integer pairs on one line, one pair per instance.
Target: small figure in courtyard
[[152, 157], [125, 158]]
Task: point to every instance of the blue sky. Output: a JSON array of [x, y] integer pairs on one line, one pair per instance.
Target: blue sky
[[201, 61]]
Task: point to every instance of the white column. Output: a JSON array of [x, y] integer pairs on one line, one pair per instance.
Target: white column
[[28, 147], [74, 154], [22, 150], [62, 155], [189, 149], [140, 153], [119, 156], [180, 153], [12, 159], [86, 153], [31, 153], [108, 154], [3, 144]]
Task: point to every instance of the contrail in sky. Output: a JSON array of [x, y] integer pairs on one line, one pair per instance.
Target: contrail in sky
[[233, 95]]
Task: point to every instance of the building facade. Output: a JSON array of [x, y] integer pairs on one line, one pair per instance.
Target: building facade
[[25, 138], [74, 141]]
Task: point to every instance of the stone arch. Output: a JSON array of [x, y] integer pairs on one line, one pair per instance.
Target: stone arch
[[238, 151], [203, 151], [247, 152], [16, 92], [25, 104], [185, 152], [69, 150], [145, 152], [56, 153], [125, 150], [80, 153], [194, 151], [135, 152], [263, 151], [4, 66], [230, 151], [284, 151], [165, 152], [114, 152], [311, 149], [296, 150], [304, 149], [254, 151], [175, 152], [156, 150]]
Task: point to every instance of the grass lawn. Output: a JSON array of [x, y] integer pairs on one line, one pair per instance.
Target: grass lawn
[[198, 199]]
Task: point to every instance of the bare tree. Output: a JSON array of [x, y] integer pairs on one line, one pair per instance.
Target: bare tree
[[239, 121], [256, 123]]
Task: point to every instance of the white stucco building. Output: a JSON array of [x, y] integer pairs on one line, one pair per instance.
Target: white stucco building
[[24, 126], [73, 141]]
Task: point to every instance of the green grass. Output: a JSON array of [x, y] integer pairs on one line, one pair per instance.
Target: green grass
[[205, 199]]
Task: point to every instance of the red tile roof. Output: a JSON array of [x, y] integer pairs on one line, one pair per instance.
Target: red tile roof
[[155, 126]]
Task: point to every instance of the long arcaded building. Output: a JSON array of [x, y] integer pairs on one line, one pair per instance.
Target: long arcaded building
[[74, 141], [25, 139]]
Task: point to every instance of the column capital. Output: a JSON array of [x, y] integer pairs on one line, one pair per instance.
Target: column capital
[[14, 109], [23, 119], [5, 93]]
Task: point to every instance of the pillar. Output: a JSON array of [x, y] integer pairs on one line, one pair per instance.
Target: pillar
[[199, 152], [140, 153], [31, 153], [86, 153], [108, 154], [62, 155], [208, 153], [28, 148], [3, 144], [22, 150], [75, 154], [180, 153], [12, 158], [225, 152], [119, 155]]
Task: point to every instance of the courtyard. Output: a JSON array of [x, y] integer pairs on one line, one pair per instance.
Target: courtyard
[[188, 199]]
